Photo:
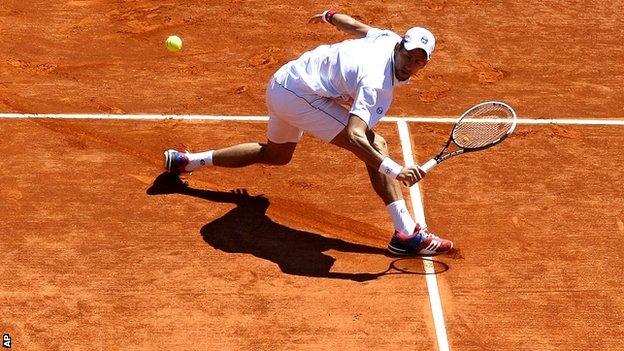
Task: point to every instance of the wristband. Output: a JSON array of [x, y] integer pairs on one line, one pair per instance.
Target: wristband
[[327, 16], [390, 168]]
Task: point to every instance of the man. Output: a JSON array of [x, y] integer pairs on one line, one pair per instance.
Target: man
[[308, 94]]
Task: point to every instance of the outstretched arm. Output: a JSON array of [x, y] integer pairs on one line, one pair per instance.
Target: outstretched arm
[[343, 22]]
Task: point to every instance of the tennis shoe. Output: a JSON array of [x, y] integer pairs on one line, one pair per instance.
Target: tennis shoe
[[176, 161], [422, 243]]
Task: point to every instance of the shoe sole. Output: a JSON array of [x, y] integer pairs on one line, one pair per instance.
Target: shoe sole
[[400, 252]]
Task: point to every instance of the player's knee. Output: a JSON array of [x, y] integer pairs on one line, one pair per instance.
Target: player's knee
[[274, 158], [380, 145], [280, 160]]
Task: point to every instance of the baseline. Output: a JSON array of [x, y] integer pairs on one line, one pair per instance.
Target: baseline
[[251, 118]]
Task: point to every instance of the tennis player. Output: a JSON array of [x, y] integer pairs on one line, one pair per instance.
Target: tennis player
[[338, 93]]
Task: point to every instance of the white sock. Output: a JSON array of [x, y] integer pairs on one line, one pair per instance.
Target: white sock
[[401, 217], [199, 159]]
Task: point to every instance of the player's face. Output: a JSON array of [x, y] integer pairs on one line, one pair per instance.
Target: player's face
[[408, 63]]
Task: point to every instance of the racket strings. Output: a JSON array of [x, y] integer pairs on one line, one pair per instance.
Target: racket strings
[[483, 126]]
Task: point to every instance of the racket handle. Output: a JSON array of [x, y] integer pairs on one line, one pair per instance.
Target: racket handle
[[427, 166]]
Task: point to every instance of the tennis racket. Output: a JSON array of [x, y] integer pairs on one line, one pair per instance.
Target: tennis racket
[[480, 127]]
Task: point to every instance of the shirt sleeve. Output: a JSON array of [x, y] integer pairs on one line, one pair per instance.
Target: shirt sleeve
[[364, 103], [373, 32]]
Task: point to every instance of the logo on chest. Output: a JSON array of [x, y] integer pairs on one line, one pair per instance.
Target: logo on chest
[[379, 110]]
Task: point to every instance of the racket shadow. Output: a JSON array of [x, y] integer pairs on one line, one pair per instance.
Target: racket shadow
[[417, 265], [247, 229]]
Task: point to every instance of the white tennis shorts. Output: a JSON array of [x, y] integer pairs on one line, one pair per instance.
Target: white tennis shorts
[[291, 113]]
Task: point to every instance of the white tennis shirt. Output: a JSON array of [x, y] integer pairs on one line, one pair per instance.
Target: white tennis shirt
[[356, 71]]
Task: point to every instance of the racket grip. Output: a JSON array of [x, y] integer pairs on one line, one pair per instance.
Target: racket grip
[[427, 166]]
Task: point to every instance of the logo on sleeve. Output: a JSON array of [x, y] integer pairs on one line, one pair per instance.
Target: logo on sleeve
[[379, 110]]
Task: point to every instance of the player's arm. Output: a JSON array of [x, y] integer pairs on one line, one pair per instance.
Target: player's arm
[[343, 22], [354, 139]]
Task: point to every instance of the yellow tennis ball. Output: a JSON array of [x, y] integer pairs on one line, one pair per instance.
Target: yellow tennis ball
[[174, 43]]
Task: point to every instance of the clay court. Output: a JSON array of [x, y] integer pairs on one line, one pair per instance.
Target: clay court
[[102, 251]]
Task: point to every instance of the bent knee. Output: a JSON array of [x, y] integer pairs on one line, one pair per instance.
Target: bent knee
[[381, 145], [273, 157], [278, 160]]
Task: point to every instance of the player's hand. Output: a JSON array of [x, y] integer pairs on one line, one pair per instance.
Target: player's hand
[[318, 18], [411, 175]]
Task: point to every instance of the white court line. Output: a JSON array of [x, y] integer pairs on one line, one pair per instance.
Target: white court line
[[528, 121], [136, 117], [419, 215]]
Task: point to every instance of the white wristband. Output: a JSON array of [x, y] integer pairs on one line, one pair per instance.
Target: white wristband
[[390, 168]]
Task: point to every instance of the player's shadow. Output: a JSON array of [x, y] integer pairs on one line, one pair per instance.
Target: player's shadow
[[247, 229]]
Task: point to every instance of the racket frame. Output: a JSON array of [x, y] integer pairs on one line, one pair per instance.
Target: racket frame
[[441, 156]]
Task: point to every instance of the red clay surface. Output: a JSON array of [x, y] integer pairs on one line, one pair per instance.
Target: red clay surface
[[98, 252]]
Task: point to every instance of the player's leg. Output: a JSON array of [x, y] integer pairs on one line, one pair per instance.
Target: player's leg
[[242, 155], [409, 238], [389, 189], [386, 188], [282, 139]]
